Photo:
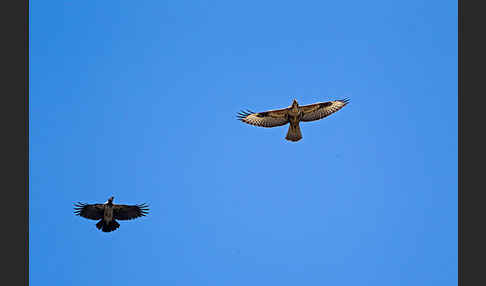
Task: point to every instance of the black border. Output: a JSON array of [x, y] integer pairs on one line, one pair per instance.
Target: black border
[[26, 140], [471, 193], [15, 143]]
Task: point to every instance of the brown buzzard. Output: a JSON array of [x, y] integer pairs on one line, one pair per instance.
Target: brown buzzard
[[109, 212], [293, 114]]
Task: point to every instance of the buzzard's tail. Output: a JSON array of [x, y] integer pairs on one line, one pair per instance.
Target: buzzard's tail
[[294, 133], [107, 227]]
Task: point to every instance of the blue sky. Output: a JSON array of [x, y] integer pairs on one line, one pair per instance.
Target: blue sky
[[138, 100]]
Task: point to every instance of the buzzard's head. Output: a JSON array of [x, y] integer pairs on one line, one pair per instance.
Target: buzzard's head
[[295, 103]]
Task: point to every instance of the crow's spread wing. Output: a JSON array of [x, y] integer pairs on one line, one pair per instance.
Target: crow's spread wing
[[94, 211], [126, 212]]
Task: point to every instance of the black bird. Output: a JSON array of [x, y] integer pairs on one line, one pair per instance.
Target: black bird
[[109, 212]]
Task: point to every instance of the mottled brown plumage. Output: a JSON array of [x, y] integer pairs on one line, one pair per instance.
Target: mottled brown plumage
[[293, 115]]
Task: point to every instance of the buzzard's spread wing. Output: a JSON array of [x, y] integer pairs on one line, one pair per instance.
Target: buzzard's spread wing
[[94, 212], [125, 212], [271, 118], [320, 110]]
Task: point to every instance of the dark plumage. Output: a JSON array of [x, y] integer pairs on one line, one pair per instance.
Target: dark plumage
[[108, 213]]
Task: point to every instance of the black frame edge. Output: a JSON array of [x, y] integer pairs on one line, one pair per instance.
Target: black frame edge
[[15, 143], [471, 145], [27, 157]]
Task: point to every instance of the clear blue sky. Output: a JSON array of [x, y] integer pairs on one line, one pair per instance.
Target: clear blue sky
[[138, 100]]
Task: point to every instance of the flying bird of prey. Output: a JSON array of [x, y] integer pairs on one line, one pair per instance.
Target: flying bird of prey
[[109, 212], [293, 114]]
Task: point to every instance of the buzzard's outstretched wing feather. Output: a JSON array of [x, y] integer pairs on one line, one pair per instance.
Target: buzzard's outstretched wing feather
[[94, 212], [320, 110], [126, 212], [271, 118]]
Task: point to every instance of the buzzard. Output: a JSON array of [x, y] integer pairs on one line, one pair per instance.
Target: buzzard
[[109, 212], [293, 114]]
